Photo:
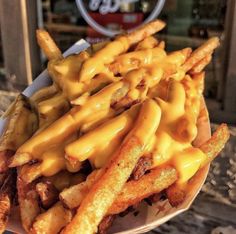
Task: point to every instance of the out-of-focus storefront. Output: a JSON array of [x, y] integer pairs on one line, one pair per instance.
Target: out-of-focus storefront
[[189, 23]]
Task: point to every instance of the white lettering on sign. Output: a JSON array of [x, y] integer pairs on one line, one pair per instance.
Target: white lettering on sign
[[107, 6]]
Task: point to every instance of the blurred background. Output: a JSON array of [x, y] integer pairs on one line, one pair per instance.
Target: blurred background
[[189, 24]]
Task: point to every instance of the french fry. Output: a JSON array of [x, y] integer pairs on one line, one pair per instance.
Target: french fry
[[7, 194], [201, 52], [96, 64], [52, 220], [177, 192], [135, 191], [47, 44], [201, 65], [103, 193], [72, 197], [48, 194], [28, 200], [20, 127], [147, 43]]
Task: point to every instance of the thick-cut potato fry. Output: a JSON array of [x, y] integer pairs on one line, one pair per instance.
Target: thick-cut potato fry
[[135, 191], [103, 193], [48, 193], [96, 64], [28, 200], [47, 44], [147, 43], [20, 127], [72, 197], [177, 192], [201, 52], [52, 220], [201, 65], [7, 194]]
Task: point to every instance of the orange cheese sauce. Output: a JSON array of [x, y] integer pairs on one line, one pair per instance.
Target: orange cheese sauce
[[148, 73]]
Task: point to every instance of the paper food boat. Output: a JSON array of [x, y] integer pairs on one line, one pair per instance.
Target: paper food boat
[[148, 217]]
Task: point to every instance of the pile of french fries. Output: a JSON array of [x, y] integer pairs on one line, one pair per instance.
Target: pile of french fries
[[116, 126]]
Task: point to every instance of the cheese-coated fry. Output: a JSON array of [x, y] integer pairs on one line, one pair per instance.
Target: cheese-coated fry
[[201, 52], [97, 62]]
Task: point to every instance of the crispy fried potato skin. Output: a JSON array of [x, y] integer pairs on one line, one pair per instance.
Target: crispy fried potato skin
[[7, 195]]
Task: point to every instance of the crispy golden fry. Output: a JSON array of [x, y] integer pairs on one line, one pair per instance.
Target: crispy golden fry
[[47, 44], [72, 197], [44, 93], [62, 128], [177, 192], [7, 194], [96, 64], [28, 201], [52, 221], [201, 65], [48, 193], [103, 193], [201, 52], [135, 191], [21, 125], [147, 43], [216, 143]]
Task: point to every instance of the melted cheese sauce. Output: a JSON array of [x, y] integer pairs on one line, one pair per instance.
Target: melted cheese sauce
[[147, 73]]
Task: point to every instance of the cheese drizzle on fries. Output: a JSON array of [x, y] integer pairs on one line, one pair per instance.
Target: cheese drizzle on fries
[[116, 126]]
